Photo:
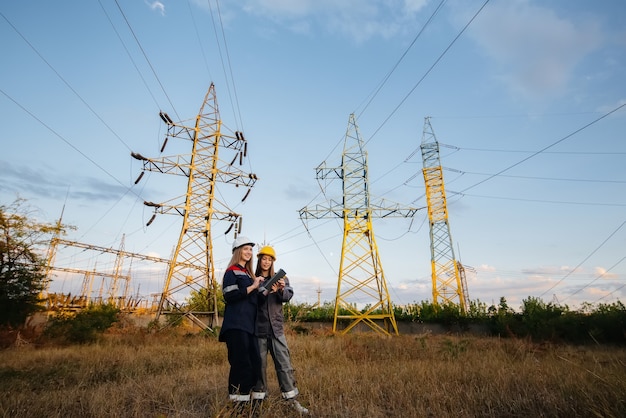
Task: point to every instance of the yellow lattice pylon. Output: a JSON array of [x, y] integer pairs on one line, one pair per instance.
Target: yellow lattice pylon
[[362, 294], [448, 276], [214, 159]]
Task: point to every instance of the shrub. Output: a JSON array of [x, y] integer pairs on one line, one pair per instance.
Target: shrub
[[83, 327]]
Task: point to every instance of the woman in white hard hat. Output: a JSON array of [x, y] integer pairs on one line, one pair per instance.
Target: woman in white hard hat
[[270, 329], [239, 287]]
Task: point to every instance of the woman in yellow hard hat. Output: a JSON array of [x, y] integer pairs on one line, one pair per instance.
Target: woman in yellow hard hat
[[270, 330]]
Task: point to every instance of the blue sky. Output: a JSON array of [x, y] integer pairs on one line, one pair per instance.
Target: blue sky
[[526, 98]]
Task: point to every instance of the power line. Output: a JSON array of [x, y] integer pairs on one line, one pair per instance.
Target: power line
[[230, 67], [609, 294], [534, 154], [540, 200], [383, 82], [594, 280], [68, 85], [536, 178], [428, 71], [62, 138], [517, 115], [146, 58], [219, 49], [129, 55], [583, 261], [420, 80], [406, 51], [195, 26], [90, 108], [456, 148], [227, 69]]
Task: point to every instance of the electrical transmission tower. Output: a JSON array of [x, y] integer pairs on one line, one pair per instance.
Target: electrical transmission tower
[[121, 300], [51, 256], [212, 160], [448, 275], [361, 277], [60, 302]]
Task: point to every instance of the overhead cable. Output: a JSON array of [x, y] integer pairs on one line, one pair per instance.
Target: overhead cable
[[534, 154], [428, 71], [146, 58], [65, 82], [586, 258]]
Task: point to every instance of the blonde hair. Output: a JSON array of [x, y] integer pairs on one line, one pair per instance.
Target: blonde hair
[[236, 258]]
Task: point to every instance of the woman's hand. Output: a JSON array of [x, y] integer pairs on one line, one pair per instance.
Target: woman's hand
[[255, 284], [279, 285], [257, 281]]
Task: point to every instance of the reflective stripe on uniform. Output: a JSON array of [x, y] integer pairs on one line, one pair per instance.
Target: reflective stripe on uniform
[[258, 395], [290, 394], [231, 288], [239, 398]]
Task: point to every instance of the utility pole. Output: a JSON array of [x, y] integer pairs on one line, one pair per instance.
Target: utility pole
[[213, 159], [361, 277], [448, 275], [319, 297]]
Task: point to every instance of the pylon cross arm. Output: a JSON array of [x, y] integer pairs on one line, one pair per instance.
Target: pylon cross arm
[[319, 212], [393, 212]]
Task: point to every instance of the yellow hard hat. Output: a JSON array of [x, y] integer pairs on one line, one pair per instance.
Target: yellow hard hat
[[267, 250]]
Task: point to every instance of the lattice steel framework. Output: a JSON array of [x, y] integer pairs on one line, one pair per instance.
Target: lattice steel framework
[[51, 256], [121, 300], [448, 275], [212, 160], [361, 277]]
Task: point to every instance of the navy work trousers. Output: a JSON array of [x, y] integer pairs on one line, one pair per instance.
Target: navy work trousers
[[244, 360]]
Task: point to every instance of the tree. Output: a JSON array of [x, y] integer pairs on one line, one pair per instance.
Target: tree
[[22, 262], [199, 300]]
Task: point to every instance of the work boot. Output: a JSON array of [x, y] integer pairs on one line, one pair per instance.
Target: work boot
[[296, 405]]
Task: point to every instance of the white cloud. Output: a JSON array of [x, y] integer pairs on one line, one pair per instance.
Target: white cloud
[[610, 107], [486, 267], [282, 9], [535, 50], [158, 6], [414, 6], [357, 19], [602, 273]]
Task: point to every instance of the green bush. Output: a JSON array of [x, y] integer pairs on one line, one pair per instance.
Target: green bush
[[549, 322], [539, 321], [82, 327]]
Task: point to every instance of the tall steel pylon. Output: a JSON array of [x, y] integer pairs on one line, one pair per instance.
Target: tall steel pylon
[[448, 275], [212, 160], [361, 277], [51, 254]]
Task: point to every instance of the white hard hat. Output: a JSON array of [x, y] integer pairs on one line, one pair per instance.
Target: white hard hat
[[241, 241]]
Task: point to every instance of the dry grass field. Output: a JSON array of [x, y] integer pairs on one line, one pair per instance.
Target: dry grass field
[[136, 374]]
